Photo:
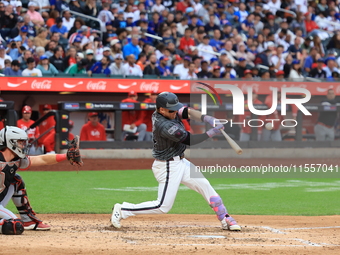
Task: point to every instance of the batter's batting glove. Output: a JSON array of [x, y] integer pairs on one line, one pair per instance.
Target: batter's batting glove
[[215, 131], [211, 120]]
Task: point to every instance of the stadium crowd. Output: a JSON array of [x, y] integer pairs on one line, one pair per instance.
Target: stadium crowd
[[250, 39]]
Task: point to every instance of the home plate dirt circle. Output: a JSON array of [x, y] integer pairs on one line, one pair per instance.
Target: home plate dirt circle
[[178, 234]]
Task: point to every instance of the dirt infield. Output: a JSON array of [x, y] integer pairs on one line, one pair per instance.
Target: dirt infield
[[178, 234]]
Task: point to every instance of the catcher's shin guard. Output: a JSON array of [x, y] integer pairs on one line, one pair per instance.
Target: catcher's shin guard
[[22, 203], [11, 227], [217, 205]]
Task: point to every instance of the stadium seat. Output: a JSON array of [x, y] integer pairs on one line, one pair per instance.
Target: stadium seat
[[169, 77]]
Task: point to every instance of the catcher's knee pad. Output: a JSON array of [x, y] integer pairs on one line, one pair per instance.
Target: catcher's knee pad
[[12, 227], [217, 205], [21, 201]]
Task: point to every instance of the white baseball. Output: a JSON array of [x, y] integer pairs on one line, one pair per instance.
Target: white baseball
[[269, 126]]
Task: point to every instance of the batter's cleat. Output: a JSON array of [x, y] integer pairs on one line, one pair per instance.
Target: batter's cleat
[[31, 225], [116, 215], [229, 223]]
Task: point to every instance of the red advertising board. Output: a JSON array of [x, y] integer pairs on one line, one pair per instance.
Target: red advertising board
[[48, 84]]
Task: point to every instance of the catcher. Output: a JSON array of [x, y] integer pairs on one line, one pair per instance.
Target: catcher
[[13, 156]]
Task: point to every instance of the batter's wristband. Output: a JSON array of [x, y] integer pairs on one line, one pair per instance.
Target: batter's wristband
[[202, 117], [60, 157]]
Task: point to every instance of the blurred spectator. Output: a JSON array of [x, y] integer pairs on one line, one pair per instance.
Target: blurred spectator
[[78, 68], [183, 68], [318, 71], [134, 119], [105, 15], [57, 59], [190, 74], [46, 67], [204, 73], [23, 59], [93, 130], [163, 68], [59, 28], [216, 72], [90, 61], [14, 70], [130, 68], [331, 67], [41, 38], [31, 70], [132, 47], [52, 18], [310, 24], [241, 67], [205, 50], [91, 8], [35, 16], [116, 68], [334, 43], [296, 71], [248, 74], [70, 58], [310, 60], [324, 129], [101, 66], [51, 45], [33, 133], [22, 37], [76, 7], [77, 25], [8, 18], [280, 75], [295, 48], [242, 53], [151, 68], [68, 20], [186, 42], [147, 115]]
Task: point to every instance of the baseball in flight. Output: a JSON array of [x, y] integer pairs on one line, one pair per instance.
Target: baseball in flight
[[269, 126]]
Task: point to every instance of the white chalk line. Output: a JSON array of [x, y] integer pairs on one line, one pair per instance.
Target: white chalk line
[[310, 186], [310, 228], [274, 230]]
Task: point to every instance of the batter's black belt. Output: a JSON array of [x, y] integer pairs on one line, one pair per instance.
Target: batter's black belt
[[172, 159]]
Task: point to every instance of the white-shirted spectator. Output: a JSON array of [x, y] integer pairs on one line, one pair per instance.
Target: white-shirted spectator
[[31, 70], [301, 5], [190, 74], [68, 20], [182, 68], [158, 7], [206, 47], [117, 68], [273, 6], [3, 57], [130, 68], [106, 15]]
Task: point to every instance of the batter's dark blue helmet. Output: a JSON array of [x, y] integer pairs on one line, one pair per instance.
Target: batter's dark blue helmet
[[168, 101]]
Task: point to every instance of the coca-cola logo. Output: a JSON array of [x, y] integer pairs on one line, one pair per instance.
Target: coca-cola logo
[[99, 85], [45, 84], [153, 86]]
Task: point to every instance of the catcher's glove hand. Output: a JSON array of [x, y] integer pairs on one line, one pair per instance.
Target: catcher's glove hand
[[73, 154]]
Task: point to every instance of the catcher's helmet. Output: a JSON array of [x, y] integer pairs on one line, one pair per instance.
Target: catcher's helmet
[[168, 101], [9, 137]]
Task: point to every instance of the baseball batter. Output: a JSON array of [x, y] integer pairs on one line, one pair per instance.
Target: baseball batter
[[170, 168]]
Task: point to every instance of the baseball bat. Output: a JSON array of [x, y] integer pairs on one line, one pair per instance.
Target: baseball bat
[[232, 143]]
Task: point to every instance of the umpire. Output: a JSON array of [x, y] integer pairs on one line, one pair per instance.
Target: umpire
[[170, 168]]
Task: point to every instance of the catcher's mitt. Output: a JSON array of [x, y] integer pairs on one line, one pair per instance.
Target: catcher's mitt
[[73, 154]]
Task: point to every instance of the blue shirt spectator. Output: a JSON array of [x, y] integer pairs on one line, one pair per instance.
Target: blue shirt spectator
[[14, 70], [132, 48], [101, 66], [58, 27]]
